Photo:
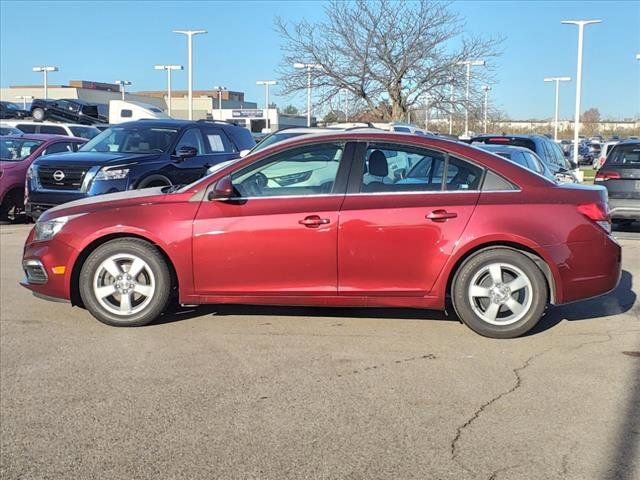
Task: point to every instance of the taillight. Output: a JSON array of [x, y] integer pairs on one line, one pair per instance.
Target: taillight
[[601, 176], [597, 213]]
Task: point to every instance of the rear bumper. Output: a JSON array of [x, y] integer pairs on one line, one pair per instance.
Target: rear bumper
[[624, 208], [587, 269]]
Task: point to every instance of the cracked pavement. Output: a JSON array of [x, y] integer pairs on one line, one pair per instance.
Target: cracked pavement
[[240, 392]]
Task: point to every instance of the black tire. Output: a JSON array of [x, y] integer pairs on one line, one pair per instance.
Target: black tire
[[12, 206], [471, 271], [38, 114], [154, 260]]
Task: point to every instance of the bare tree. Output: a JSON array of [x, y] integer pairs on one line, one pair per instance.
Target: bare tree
[[389, 54], [590, 119]]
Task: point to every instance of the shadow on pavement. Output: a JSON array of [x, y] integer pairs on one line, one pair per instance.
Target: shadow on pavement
[[625, 458], [615, 302], [618, 301]]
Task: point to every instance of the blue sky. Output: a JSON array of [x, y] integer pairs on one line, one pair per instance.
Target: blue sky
[[104, 41]]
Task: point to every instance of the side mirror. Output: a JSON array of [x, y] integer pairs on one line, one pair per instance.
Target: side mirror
[[244, 153], [222, 190], [185, 152]]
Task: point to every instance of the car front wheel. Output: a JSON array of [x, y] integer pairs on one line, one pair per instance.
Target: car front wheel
[[500, 293], [125, 282], [38, 114]]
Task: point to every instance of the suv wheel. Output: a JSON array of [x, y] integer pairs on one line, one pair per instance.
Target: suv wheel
[[38, 114], [500, 293], [125, 282]]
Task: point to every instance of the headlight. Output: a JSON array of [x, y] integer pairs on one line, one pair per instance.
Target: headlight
[[112, 174], [31, 172], [50, 228]]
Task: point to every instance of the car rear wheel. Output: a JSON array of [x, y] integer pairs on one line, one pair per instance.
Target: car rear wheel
[[500, 293], [125, 282], [38, 114]]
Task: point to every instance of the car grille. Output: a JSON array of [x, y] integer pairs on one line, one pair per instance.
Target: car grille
[[61, 178]]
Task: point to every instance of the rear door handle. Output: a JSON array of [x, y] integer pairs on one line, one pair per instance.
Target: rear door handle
[[441, 215], [313, 221]]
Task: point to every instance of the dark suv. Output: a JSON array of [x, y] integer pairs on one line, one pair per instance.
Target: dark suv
[[66, 110], [133, 155], [11, 110], [549, 151], [620, 175]]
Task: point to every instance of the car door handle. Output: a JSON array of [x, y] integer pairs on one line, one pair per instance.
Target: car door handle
[[441, 215], [313, 221]]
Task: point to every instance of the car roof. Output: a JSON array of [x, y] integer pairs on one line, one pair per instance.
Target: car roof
[[515, 135], [175, 123], [11, 122], [46, 136], [629, 141]]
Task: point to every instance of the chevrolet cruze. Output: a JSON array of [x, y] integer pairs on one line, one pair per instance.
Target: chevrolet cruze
[[404, 221]]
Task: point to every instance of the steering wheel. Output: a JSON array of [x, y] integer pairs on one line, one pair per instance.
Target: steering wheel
[[255, 184]]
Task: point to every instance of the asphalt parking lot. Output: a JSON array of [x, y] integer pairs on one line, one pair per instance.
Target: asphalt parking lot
[[239, 392]]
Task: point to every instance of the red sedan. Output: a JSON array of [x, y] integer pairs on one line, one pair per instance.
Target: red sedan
[[347, 219]]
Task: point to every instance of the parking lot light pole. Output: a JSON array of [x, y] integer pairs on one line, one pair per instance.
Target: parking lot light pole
[[451, 107], [469, 64], [486, 89], [24, 99], [220, 90], [557, 81], [45, 69], [576, 125], [168, 68], [190, 34], [123, 85], [266, 84], [309, 67]]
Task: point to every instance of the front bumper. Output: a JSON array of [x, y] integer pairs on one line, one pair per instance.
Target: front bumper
[[624, 208], [42, 262]]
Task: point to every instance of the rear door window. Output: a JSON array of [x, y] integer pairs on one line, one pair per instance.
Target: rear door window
[[217, 141], [26, 127], [52, 130]]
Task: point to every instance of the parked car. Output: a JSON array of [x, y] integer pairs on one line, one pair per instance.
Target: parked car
[[290, 132], [128, 156], [546, 149], [53, 128], [66, 110], [16, 155], [7, 130], [604, 151], [453, 227], [565, 145], [12, 110], [585, 157], [620, 175], [524, 157]]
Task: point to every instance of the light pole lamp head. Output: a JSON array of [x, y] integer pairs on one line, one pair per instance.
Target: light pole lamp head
[[123, 82], [266, 82], [580, 22], [220, 89], [168, 67], [45, 68], [190, 32], [557, 79]]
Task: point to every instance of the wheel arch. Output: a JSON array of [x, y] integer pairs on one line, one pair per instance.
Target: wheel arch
[[74, 284], [145, 181], [532, 254]]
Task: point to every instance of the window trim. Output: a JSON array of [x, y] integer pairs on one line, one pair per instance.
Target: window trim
[[356, 173]]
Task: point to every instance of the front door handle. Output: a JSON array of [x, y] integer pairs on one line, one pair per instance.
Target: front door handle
[[441, 215], [313, 221]]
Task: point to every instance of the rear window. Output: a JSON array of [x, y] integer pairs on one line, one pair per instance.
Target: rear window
[[625, 155], [52, 130], [516, 142]]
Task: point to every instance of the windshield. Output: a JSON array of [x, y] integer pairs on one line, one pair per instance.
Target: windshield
[[15, 149], [85, 132], [275, 138], [133, 139]]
